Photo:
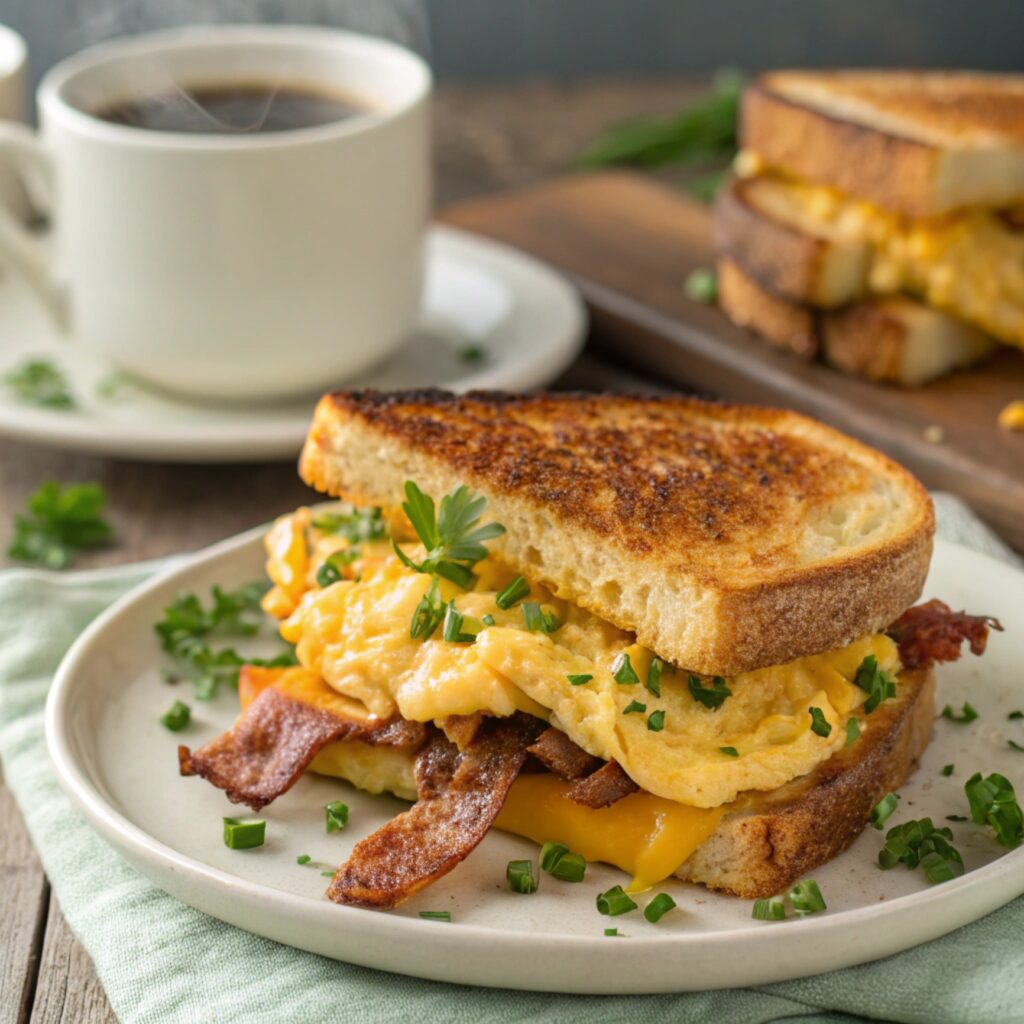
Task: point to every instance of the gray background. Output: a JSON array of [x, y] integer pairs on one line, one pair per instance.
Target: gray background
[[488, 39]]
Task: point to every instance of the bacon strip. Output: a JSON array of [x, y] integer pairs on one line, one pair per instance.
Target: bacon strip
[[561, 756], [934, 632], [461, 795], [275, 739], [604, 787]]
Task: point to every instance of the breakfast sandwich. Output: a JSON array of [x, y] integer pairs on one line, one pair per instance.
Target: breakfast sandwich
[[669, 635], [877, 217]]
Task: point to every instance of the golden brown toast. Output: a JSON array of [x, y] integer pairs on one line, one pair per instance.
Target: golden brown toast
[[766, 841], [921, 143], [726, 537]]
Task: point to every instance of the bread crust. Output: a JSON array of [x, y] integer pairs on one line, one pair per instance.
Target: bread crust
[[768, 841], [688, 523]]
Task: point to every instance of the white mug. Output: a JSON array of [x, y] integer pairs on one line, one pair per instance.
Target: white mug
[[13, 67], [239, 266]]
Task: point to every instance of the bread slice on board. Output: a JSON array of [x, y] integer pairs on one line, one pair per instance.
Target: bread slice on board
[[890, 340], [726, 537], [767, 841], [920, 143]]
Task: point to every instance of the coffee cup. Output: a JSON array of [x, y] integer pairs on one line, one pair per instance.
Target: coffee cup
[[251, 259]]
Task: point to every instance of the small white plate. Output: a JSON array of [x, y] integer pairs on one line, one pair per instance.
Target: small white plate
[[526, 321], [119, 766]]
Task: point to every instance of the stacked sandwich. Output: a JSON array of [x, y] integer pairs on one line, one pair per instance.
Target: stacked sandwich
[[674, 636], [877, 219]]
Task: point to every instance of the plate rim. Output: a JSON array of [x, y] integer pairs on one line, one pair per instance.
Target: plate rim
[[260, 441], [151, 856]]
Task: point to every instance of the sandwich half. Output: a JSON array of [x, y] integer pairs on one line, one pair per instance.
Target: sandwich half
[[675, 636]]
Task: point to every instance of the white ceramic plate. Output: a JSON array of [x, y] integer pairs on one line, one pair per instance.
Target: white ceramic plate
[[526, 320], [119, 766]]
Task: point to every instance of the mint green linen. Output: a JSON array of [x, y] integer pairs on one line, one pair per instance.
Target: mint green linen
[[163, 962]]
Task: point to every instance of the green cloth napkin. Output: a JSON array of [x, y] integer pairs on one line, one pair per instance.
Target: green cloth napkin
[[163, 962]]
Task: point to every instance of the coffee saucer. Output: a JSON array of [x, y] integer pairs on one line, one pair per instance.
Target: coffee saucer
[[492, 317]]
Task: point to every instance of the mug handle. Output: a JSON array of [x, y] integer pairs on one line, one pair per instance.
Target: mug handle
[[21, 149]]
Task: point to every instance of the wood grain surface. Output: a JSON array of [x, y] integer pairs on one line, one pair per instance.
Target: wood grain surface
[[629, 244]]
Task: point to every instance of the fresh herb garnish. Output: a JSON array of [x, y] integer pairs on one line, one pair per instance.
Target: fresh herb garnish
[[453, 540], [656, 721], [515, 591], [769, 910], [611, 932], [659, 907], [948, 769], [713, 696], [453, 622], [805, 897], [967, 714], [875, 682], [303, 858], [429, 613], [654, 671], [58, 522], [1014, 715], [633, 707], [820, 726], [579, 679], [330, 571], [881, 812], [551, 853], [176, 717], [614, 902], [701, 285], [993, 802], [328, 874], [335, 816], [920, 842], [436, 915], [40, 382], [852, 730], [623, 671], [1014, 745], [538, 619], [957, 817], [243, 835], [520, 876], [488, 620], [729, 751], [558, 860], [471, 354], [358, 525]]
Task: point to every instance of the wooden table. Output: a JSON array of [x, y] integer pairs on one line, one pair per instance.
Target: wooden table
[[487, 138]]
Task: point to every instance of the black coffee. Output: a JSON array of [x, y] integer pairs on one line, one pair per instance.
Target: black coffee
[[233, 110]]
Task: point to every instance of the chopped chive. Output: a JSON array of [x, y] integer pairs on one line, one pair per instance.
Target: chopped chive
[[852, 730], [452, 628], [806, 897], [702, 285], [330, 571], [429, 613], [656, 721], [654, 676], [580, 679], [327, 874], [488, 619], [611, 931], [520, 876], [994, 802], [967, 714], [1014, 715], [243, 835], [551, 854], [336, 815], [570, 867], [614, 902], [881, 812], [634, 706], [713, 696], [436, 915], [729, 751], [515, 591], [948, 770], [303, 858], [659, 907], [538, 620], [176, 717], [1014, 745], [623, 671], [769, 910], [471, 354], [875, 682], [957, 817], [820, 726]]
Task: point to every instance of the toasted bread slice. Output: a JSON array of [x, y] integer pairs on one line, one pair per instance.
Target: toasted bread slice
[[759, 223], [768, 840], [891, 340], [920, 143], [727, 538]]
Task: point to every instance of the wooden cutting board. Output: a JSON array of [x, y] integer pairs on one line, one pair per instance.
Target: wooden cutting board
[[629, 243]]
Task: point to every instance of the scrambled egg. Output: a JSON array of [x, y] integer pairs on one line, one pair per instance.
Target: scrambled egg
[[355, 634], [970, 263]]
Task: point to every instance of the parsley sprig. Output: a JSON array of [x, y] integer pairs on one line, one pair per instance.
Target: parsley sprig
[[187, 626], [453, 540], [40, 382], [60, 521]]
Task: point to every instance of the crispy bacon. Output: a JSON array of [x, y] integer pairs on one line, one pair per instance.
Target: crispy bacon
[[934, 632], [604, 787], [461, 729], [460, 796], [561, 756], [275, 739]]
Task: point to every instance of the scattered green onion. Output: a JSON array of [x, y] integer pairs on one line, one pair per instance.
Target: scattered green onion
[[1014, 745], [1014, 715], [429, 613], [176, 717], [820, 726], [877, 683], [882, 811], [471, 354], [452, 630], [656, 721], [712, 696], [303, 858], [702, 285], [921, 843], [336, 815], [330, 571], [580, 679], [243, 835], [729, 751], [967, 714], [520, 876], [769, 910], [653, 683], [623, 671], [806, 897], [614, 902], [634, 706], [551, 853], [515, 591], [852, 730], [948, 769], [570, 867], [611, 931], [957, 817], [488, 619], [436, 915], [659, 907], [537, 619], [994, 802], [327, 874]]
